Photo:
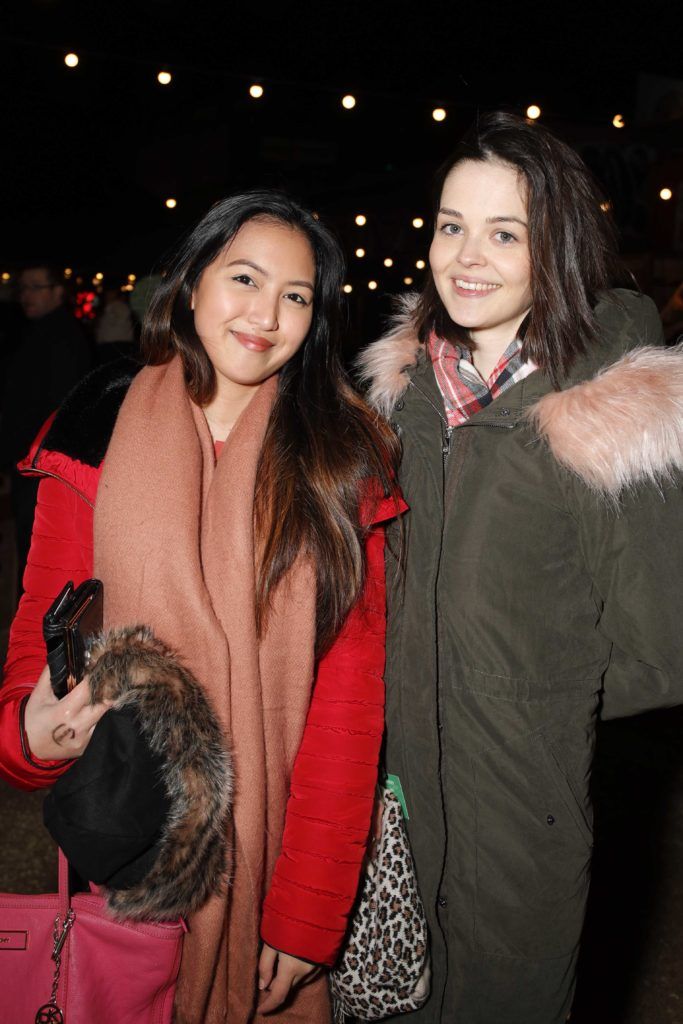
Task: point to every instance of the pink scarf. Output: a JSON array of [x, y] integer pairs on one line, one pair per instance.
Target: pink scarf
[[174, 545]]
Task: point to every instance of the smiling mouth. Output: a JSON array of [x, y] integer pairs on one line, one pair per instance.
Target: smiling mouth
[[253, 342], [480, 287]]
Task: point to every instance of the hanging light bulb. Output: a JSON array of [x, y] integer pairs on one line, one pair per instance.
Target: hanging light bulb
[[361, 219], [665, 193], [348, 102], [171, 203], [418, 222], [360, 253], [618, 121], [439, 114], [388, 262], [407, 280], [164, 78], [256, 91], [420, 264], [71, 60], [372, 285], [533, 112], [348, 288]]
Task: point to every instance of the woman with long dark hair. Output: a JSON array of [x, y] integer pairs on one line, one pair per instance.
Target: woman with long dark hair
[[229, 496], [542, 440]]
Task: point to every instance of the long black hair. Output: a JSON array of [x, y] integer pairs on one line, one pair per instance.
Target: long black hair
[[322, 444]]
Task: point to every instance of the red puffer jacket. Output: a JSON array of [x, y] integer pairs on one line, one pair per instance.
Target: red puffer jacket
[[333, 781]]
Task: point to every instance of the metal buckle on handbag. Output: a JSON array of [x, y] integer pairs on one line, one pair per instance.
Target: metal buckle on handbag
[[50, 1013]]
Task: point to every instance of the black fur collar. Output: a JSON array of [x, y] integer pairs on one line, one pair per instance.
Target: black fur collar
[[85, 422]]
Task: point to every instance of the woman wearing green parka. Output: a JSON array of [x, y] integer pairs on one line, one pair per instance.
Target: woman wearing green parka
[[542, 433]]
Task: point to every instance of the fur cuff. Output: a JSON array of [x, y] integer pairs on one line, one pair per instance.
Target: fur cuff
[[135, 670], [622, 428]]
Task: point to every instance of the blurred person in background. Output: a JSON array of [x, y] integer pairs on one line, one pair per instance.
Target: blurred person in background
[[114, 328], [52, 356]]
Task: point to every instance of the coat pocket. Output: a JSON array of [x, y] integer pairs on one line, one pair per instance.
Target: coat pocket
[[533, 849]]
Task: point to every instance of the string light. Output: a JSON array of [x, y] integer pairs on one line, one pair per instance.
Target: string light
[[533, 112], [372, 285], [407, 280], [665, 193], [6, 277], [360, 253], [68, 271], [420, 264], [171, 203], [256, 91], [439, 114], [618, 121], [71, 60], [348, 102], [418, 222], [98, 277], [164, 78], [348, 288], [131, 278], [361, 219], [605, 207], [388, 262]]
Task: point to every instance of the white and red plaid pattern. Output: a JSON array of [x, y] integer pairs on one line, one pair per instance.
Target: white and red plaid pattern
[[463, 389]]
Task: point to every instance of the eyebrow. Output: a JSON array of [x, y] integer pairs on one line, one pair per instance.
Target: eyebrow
[[506, 218], [255, 266]]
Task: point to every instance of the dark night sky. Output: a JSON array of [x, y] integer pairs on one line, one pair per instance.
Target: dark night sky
[[90, 154]]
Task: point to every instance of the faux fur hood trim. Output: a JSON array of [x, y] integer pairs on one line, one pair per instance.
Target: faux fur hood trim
[[384, 366], [622, 428], [85, 421], [131, 667]]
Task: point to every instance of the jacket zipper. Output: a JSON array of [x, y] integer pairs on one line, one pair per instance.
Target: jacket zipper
[[55, 476]]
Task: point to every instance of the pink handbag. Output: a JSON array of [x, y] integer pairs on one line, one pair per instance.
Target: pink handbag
[[64, 960]]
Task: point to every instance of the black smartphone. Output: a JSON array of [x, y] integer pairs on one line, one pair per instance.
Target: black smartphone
[[72, 617]]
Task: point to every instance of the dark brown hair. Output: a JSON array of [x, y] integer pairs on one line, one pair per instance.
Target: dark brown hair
[[323, 444], [572, 242]]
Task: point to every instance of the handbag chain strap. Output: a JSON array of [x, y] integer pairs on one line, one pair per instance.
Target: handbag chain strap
[[50, 1013]]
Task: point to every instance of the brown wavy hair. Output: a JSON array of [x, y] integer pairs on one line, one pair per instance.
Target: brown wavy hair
[[323, 445], [572, 241]]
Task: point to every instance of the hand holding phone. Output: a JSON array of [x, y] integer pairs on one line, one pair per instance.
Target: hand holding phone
[[71, 618]]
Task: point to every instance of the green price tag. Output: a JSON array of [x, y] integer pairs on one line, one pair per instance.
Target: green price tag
[[394, 784]]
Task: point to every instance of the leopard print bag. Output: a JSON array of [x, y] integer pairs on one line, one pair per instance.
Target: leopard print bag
[[384, 968]]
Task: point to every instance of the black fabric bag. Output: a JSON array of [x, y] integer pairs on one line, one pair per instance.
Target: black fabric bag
[[108, 810]]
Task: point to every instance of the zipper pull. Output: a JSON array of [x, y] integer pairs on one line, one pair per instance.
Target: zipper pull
[[446, 446]]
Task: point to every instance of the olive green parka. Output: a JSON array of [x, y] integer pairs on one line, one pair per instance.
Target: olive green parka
[[542, 587]]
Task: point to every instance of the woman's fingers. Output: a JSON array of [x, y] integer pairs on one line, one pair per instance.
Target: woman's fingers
[[276, 994], [290, 972], [266, 966], [60, 729]]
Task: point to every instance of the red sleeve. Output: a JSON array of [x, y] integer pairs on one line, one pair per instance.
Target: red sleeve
[[333, 783], [61, 550]]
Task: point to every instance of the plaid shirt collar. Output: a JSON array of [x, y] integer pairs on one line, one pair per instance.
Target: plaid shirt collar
[[464, 391]]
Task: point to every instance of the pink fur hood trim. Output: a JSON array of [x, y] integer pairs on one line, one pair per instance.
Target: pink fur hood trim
[[619, 429], [622, 428], [384, 365]]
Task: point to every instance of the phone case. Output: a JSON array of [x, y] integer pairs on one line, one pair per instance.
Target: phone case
[[72, 617]]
